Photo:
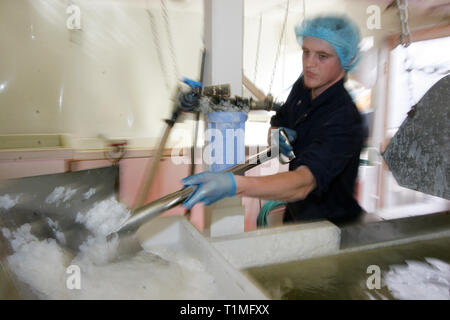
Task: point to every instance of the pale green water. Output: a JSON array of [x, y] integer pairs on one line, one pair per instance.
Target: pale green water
[[345, 276]]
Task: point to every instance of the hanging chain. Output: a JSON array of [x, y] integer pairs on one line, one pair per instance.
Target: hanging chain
[[279, 46], [405, 41], [304, 9], [257, 49], [405, 37], [283, 69], [170, 39], [407, 66], [157, 41]]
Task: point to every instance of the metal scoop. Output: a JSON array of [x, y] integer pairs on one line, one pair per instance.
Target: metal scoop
[[50, 203]]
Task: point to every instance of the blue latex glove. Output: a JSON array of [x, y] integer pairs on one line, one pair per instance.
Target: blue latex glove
[[211, 187], [192, 83], [292, 135]]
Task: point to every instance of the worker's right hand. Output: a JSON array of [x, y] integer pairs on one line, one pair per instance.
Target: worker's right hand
[[211, 187], [291, 134]]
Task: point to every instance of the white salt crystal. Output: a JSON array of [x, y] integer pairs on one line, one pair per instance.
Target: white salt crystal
[[7, 202]]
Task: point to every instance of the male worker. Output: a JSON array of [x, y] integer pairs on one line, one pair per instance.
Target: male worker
[[325, 130]]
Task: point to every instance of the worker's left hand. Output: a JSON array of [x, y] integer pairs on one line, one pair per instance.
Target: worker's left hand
[[192, 83], [291, 135], [211, 187]]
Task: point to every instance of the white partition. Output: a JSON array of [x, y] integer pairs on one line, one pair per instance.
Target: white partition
[[280, 244]]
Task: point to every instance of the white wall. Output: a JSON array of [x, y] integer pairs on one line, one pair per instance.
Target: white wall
[[409, 88], [288, 68], [105, 78]]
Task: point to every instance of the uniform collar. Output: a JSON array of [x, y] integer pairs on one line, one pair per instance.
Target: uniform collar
[[326, 96]]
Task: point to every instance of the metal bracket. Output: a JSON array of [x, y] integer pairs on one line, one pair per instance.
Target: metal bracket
[[220, 91]]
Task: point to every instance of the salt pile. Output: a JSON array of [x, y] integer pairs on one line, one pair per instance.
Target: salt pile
[[44, 265], [419, 280], [7, 202], [40, 264], [60, 194], [89, 193], [55, 228], [104, 217]]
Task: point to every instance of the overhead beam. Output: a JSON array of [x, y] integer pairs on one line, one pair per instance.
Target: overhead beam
[[223, 37], [253, 89]]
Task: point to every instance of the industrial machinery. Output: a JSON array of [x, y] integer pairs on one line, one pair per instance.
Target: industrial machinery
[[190, 101], [418, 153]]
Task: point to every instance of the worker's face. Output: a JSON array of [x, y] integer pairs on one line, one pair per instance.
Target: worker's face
[[321, 65]]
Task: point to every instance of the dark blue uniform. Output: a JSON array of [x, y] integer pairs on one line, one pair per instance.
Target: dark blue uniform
[[330, 136]]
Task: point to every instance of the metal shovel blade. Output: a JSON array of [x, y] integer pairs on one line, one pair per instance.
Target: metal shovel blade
[[50, 203]]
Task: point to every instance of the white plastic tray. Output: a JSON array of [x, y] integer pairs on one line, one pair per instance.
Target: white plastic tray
[[176, 230]]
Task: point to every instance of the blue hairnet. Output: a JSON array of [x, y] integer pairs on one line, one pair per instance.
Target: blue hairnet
[[339, 31]]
